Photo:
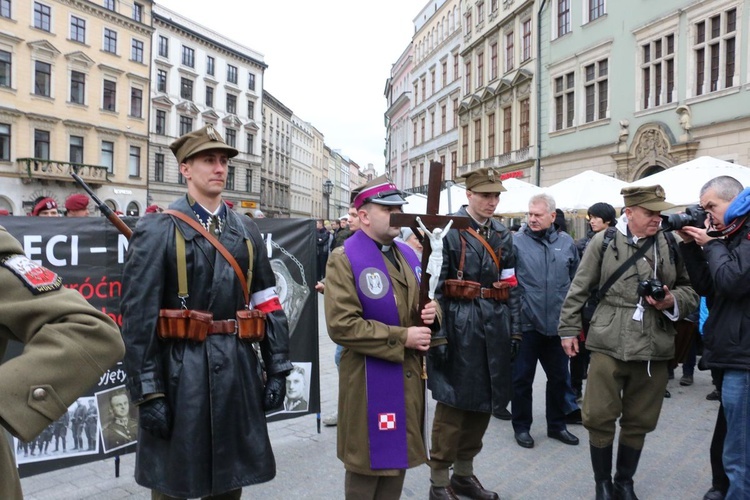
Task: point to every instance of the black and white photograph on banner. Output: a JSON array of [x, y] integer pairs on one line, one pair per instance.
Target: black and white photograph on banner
[[297, 398], [73, 434], [118, 419]]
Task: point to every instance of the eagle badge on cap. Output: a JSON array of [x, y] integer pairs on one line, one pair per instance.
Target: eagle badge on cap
[[659, 191], [211, 133], [491, 175]]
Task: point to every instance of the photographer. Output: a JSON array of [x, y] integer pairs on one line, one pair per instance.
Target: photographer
[[718, 260], [643, 289]]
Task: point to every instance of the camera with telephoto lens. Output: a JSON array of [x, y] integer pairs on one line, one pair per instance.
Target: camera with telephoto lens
[[694, 216], [651, 288]]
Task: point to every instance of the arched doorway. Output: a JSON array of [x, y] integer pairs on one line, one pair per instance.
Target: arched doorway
[[651, 170]]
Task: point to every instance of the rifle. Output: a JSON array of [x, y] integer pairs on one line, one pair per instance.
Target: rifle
[[104, 208]]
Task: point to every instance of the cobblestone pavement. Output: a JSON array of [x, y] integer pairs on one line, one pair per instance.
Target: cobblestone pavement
[[674, 463]]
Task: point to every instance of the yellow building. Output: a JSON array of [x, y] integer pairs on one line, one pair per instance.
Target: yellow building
[[74, 97]]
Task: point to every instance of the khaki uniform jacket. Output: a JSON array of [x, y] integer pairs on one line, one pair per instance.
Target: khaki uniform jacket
[[613, 330], [361, 337], [68, 346]]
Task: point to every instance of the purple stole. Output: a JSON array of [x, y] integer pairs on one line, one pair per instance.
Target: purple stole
[[386, 405]]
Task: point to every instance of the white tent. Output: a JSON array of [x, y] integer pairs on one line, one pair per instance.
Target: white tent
[[417, 204], [452, 198], [516, 199], [682, 183], [583, 190]]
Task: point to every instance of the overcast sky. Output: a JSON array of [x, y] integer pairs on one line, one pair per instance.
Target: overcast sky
[[328, 60]]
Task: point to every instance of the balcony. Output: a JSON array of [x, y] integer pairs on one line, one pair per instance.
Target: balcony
[[512, 158], [52, 170]]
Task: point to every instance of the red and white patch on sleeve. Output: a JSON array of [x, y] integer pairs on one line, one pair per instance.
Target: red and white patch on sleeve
[[386, 421], [37, 278]]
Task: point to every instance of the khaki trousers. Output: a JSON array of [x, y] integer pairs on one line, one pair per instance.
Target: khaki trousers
[[632, 391], [456, 439], [363, 487]]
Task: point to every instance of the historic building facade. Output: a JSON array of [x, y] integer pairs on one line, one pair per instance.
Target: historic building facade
[[276, 157], [74, 86]]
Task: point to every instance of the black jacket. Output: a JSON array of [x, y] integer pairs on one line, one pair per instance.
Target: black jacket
[[721, 273], [214, 388]]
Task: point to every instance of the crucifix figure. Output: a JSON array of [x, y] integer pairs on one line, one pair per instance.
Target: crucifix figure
[[430, 223], [435, 261]]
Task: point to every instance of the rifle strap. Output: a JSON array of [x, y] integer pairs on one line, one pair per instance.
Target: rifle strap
[[217, 244], [484, 242]]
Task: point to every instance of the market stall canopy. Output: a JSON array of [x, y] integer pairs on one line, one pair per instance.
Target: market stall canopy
[[583, 190], [516, 199], [416, 204], [682, 183]]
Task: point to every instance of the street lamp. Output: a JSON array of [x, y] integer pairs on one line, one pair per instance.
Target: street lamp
[[327, 190]]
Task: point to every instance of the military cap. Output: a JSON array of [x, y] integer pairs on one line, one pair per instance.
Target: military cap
[[483, 180], [380, 191], [44, 204], [4, 212], [77, 201], [200, 140], [649, 197], [153, 209]]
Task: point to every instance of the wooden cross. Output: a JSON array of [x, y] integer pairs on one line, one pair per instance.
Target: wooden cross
[[431, 220]]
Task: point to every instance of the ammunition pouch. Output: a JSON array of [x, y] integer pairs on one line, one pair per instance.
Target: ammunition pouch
[[187, 324], [251, 325], [460, 289]]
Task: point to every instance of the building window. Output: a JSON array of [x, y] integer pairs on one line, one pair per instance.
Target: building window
[[77, 87], [138, 12], [414, 132], [136, 51], [715, 52], [41, 144], [657, 71], [42, 78], [480, 70], [424, 88], [526, 40], [76, 149], [231, 137], [42, 16], [231, 104], [250, 143], [110, 41], [509, 52], [136, 103], [230, 177], [596, 9], [186, 124], [523, 128], [249, 181], [108, 156], [455, 67], [186, 88], [465, 144], [251, 81], [188, 57], [443, 118], [77, 29], [490, 135], [251, 110], [493, 6], [135, 162], [159, 167], [109, 4], [596, 90], [421, 127], [109, 98], [493, 61], [564, 101], [467, 77], [563, 17], [432, 124], [455, 113], [477, 139], [467, 27], [232, 74], [210, 65], [416, 92], [181, 178], [507, 129], [5, 68], [163, 46], [4, 142], [161, 122], [432, 81], [444, 68], [480, 13], [209, 96], [5, 8], [161, 80]]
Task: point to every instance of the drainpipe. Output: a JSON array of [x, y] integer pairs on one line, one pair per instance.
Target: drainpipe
[[539, 94]]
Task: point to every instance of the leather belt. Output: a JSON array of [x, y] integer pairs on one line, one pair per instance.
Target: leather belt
[[492, 293], [225, 326]]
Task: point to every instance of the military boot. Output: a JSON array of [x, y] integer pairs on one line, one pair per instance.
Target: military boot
[[627, 463]]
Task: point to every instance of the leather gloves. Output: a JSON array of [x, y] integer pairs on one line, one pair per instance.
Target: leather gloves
[[155, 417], [439, 356], [515, 348], [274, 392]]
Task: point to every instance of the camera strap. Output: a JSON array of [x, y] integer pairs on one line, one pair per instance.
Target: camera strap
[[625, 265]]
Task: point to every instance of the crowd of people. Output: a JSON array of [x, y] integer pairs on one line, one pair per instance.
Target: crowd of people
[[202, 323]]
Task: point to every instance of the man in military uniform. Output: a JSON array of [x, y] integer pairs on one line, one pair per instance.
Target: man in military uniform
[[470, 370], [79, 420], [61, 431], [46, 207], [631, 334], [68, 346], [197, 379], [371, 305], [122, 429], [92, 416]]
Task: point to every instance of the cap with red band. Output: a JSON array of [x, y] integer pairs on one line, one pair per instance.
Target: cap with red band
[[380, 191]]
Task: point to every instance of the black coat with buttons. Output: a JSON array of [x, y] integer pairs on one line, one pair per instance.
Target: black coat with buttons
[[219, 439]]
